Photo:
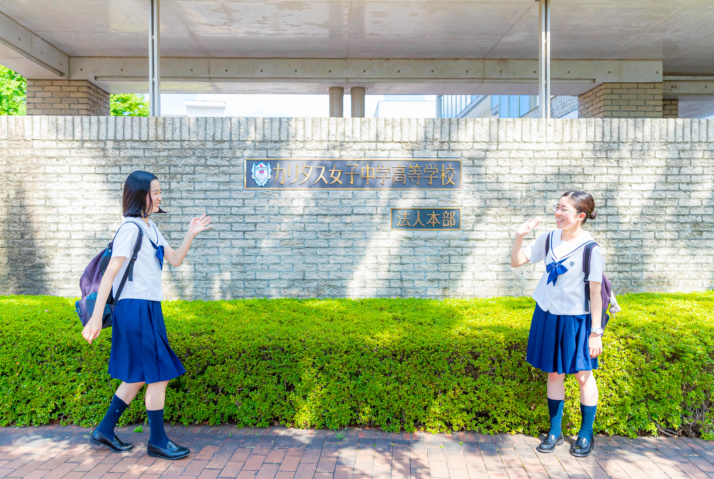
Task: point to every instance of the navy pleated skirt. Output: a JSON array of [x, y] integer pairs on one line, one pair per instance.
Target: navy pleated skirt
[[559, 343], [140, 347]]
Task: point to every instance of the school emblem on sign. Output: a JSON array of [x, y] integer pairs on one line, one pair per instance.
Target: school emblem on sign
[[261, 173]]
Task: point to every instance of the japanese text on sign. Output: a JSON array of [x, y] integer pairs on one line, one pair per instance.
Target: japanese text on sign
[[391, 174], [426, 219]]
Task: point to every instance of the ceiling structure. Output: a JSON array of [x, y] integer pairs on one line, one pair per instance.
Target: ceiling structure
[[293, 46]]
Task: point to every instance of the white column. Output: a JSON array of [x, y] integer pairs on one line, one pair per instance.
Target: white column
[[337, 94], [544, 58], [357, 94], [154, 74]]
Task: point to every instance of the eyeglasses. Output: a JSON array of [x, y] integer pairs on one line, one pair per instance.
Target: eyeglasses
[[563, 211]]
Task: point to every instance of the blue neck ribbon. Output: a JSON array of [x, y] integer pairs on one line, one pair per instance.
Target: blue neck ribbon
[[555, 269]]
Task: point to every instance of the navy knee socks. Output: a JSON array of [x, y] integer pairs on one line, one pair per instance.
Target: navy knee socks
[[555, 409], [116, 409], [157, 435], [586, 426]]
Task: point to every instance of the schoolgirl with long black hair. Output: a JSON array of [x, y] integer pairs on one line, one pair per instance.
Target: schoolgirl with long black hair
[[140, 352], [566, 333]]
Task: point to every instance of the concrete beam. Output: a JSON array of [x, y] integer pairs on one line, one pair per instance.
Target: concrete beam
[[28, 54], [688, 88], [381, 76]]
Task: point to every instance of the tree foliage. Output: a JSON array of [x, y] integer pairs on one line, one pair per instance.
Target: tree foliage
[[129, 104], [13, 91]]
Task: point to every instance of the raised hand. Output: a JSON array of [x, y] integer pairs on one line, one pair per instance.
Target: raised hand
[[528, 226], [198, 225]]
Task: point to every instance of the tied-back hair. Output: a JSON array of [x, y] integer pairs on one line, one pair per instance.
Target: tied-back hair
[[136, 188], [584, 203]]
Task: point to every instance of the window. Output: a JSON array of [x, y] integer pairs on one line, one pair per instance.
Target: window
[[525, 105], [513, 106]]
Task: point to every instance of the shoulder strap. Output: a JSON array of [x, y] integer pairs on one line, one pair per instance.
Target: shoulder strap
[[587, 254], [129, 273]]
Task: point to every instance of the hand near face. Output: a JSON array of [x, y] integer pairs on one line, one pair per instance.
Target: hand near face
[[198, 225], [528, 226]]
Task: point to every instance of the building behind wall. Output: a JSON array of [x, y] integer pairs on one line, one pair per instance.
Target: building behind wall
[[503, 106]]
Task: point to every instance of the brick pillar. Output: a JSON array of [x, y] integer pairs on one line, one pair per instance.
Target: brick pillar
[[66, 97], [670, 108], [622, 100]]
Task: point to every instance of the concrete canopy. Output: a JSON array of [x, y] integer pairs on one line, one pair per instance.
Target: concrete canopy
[[389, 46]]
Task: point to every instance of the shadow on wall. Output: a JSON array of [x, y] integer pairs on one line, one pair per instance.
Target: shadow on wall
[[662, 206], [333, 243], [24, 263]]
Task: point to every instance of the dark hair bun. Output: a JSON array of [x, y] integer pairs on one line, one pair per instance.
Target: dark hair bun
[[593, 215]]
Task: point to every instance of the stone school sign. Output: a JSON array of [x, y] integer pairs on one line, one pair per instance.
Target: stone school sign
[[355, 174], [366, 174]]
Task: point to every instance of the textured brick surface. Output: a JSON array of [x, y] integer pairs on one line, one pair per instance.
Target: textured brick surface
[[670, 108], [349, 453], [622, 100], [66, 97], [60, 203]]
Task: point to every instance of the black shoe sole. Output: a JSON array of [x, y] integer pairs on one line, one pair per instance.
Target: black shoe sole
[[581, 455], [574, 454], [153, 454], [561, 441], [97, 443]]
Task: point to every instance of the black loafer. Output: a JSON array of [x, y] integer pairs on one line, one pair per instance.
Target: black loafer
[[549, 443], [582, 447], [114, 444], [172, 451]]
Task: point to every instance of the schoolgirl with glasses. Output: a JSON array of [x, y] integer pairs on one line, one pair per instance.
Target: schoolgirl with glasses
[[140, 352], [566, 333]]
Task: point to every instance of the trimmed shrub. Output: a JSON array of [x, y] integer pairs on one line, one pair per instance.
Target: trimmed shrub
[[399, 364]]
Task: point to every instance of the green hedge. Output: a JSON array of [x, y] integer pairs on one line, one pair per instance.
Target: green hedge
[[393, 363]]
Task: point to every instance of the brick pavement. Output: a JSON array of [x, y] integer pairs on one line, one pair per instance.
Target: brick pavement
[[282, 453]]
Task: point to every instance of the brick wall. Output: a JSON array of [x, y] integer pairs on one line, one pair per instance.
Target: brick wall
[[670, 108], [66, 97], [622, 100], [61, 192]]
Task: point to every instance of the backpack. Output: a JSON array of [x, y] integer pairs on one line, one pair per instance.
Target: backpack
[[608, 297], [92, 277]]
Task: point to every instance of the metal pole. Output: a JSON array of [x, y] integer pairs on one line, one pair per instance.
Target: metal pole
[[336, 99], [154, 73], [358, 101], [544, 58]]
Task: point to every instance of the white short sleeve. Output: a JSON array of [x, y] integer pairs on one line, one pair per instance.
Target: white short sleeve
[[535, 251], [597, 265], [125, 240]]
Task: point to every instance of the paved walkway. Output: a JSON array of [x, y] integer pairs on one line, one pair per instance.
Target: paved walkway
[[280, 453]]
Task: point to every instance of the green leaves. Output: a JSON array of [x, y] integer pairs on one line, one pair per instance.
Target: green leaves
[[128, 104], [13, 91], [398, 364]]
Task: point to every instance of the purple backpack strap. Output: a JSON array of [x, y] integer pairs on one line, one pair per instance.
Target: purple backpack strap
[[587, 255]]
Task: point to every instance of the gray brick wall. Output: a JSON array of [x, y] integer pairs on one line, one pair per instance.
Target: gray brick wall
[[622, 100], [66, 98], [60, 196]]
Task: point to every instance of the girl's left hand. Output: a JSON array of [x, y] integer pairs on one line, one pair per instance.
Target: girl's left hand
[[595, 345], [199, 224]]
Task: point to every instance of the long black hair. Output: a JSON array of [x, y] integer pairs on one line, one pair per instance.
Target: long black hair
[[136, 189]]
